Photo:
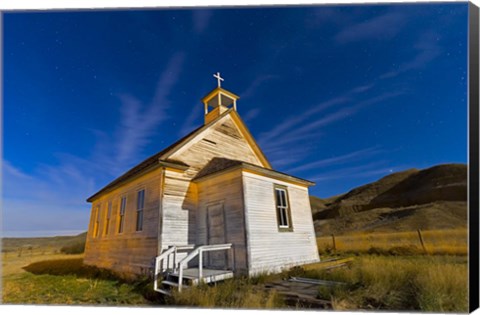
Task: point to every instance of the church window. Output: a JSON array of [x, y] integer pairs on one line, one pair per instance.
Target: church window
[[123, 206], [97, 221], [140, 204], [108, 215], [283, 210]]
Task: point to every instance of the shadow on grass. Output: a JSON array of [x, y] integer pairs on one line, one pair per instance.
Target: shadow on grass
[[76, 267], [73, 266]]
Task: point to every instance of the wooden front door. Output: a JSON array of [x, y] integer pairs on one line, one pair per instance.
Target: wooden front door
[[216, 235]]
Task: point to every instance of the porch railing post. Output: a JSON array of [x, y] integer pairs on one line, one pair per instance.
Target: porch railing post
[[200, 265], [175, 259], [232, 258], [180, 278]]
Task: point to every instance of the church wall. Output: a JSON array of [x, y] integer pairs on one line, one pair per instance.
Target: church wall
[[180, 196], [271, 250], [225, 189], [178, 210], [129, 252]]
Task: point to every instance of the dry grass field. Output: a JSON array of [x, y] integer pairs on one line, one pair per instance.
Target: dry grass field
[[435, 242], [379, 279], [410, 283], [61, 279]]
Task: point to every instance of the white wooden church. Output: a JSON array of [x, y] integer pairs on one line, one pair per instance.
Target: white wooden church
[[207, 207]]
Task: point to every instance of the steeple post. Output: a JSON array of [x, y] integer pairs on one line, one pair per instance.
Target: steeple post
[[219, 99]]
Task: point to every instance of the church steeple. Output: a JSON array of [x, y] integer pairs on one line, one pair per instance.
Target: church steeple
[[219, 99]]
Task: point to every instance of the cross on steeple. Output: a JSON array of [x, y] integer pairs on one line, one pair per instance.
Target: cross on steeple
[[219, 100], [219, 78]]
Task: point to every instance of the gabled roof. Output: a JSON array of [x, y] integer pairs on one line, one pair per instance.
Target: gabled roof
[[162, 158], [243, 129], [219, 166]]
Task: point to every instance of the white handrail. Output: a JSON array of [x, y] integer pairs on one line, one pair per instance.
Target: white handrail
[[166, 255], [198, 251]]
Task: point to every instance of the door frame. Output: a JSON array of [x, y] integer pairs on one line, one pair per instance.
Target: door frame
[[208, 205]]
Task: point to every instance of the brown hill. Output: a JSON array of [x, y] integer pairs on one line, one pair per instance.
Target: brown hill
[[427, 199], [14, 243]]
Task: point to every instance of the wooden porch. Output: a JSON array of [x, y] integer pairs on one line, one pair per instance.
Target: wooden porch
[[178, 275]]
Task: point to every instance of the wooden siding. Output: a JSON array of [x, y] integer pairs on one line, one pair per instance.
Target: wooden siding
[[131, 251], [223, 139], [227, 190], [178, 209], [271, 250], [180, 195]]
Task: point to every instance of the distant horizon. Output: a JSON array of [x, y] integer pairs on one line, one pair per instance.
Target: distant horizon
[[53, 233], [35, 234]]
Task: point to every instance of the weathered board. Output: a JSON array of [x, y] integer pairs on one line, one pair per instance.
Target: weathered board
[[130, 251], [222, 139], [271, 250], [225, 189]]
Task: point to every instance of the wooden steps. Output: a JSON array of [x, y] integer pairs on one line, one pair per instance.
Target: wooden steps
[[190, 278]]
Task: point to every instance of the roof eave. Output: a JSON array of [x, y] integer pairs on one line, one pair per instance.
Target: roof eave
[[210, 94], [256, 169], [120, 181]]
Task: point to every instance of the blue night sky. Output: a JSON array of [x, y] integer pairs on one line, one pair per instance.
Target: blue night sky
[[339, 95]]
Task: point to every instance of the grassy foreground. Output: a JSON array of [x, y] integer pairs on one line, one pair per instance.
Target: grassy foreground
[[372, 282], [63, 279], [380, 279], [425, 283]]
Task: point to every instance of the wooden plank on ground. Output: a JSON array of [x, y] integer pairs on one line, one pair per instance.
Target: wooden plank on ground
[[329, 264]]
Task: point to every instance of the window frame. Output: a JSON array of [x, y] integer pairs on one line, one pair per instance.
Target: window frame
[[140, 210], [96, 221], [286, 209], [108, 217], [121, 214]]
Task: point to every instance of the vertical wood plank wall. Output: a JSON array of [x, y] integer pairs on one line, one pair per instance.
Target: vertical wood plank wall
[[178, 210], [227, 189], [129, 252], [270, 249]]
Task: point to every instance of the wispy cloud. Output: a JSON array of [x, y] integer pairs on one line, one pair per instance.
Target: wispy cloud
[[341, 159], [381, 27], [189, 123], [427, 48], [251, 114], [308, 127], [201, 19], [253, 87], [52, 200], [290, 122], [364, 170], [52, 196], [363, 88], [139, 121], [324, 121]]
